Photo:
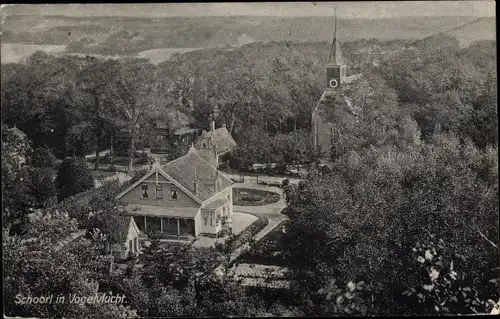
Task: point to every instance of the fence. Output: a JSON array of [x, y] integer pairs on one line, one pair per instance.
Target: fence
[[115, 168]]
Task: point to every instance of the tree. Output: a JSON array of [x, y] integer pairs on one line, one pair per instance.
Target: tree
[[42, 187], [43, 157], [46, 263], [136, 91], [72, 178], [378, 204]]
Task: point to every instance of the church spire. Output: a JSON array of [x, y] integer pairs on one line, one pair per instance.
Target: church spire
[[335, 56], [335, 68]]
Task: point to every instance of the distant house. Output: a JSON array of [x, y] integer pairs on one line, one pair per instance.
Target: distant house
[[245, 39], [128, 241], [173, 129], [218, 142], [183, 198]]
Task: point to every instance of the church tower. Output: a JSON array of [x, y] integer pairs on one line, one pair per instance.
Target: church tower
[[334, 110], [336, 68]]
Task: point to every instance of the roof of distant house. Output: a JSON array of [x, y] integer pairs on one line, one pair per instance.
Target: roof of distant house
[[191, 168], [185, 130], [18, 132], [221, 138], [173, 119]]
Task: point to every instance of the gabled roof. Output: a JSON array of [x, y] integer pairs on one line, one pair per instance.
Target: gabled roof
[[221, 138], [331, 102], [157, 168], [18, 132], [192, 167], [184, 171], [130, 223]]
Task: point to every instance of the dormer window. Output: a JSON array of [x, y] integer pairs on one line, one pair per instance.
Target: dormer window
[[173, 193], [159, 192], [144, 192]]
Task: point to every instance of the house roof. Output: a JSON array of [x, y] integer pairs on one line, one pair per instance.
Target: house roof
[[221, 138], [184, 171], [185, 130], [258, 275], [214, 205], [192, 167], [18, 132], [126, 220], [172, 119], [162, 211]]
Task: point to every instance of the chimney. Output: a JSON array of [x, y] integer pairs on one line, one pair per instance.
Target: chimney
[[212, 125], [217, 180], [195, 183]]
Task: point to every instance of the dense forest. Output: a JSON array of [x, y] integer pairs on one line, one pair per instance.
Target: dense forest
[[405, 221]]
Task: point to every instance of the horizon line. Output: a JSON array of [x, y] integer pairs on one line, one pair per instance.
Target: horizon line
[[244, 15]]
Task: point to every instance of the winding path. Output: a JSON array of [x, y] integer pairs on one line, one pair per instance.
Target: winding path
[[271, 211]]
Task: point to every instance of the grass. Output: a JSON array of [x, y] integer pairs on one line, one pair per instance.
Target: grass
[[101, 174], [241, 221], [268, 251], [254, 197], [237, 240]]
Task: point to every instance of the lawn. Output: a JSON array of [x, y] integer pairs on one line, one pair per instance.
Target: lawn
[[242, 221], [253, 197], [268, 250], [101, 174]]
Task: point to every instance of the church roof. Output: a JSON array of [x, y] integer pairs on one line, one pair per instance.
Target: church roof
[[192, 167], [221, 138], [331, 102]]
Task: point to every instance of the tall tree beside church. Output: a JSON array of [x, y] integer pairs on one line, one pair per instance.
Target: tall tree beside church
[[138, 92], [97, 95]]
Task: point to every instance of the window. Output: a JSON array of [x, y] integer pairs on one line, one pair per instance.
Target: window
[[173, 193], [144, 193], [159, 192], [204, 145], [130, 247]]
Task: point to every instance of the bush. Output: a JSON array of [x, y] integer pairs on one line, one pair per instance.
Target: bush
[[43, 157], [80, 205], [72, 178], [137, 176], [251, 198], [42, 187], [285, 182]]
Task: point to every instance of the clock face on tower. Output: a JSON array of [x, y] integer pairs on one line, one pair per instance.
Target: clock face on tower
[[333, 77]]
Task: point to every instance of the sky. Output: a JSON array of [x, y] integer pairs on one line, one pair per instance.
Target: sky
[[346, 10]]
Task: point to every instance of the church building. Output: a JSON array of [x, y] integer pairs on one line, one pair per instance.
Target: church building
[[335, 108]]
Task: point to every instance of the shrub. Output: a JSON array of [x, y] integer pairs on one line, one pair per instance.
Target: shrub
[[80, 205], [285, 182], [72, 178], [42, 187], [43, 157]]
